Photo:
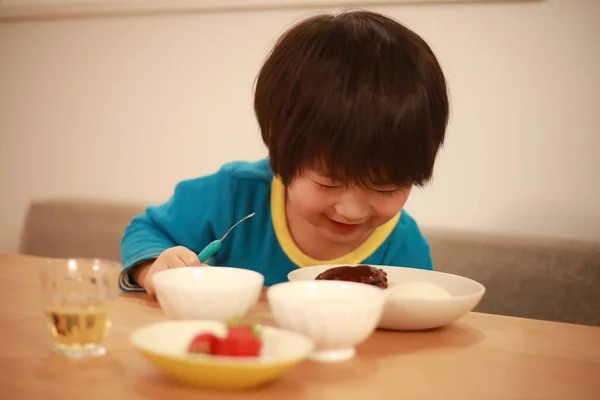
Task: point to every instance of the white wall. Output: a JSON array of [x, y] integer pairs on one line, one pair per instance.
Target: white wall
[[81, 99]]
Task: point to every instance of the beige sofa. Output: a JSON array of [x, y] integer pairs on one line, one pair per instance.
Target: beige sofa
[[554, 280]]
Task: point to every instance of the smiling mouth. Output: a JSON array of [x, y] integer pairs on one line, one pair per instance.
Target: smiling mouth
[[344, 227]]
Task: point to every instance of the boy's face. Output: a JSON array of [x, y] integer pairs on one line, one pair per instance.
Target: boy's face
[[341, 214]]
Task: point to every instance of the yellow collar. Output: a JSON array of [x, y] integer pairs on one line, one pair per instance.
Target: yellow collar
[[289, 247]]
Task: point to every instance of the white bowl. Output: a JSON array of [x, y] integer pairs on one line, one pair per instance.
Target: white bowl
[[415, 313], [208, 293], [335, 315]]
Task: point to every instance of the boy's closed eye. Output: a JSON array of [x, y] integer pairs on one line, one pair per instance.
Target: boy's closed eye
[[389, 191], [328, 187]]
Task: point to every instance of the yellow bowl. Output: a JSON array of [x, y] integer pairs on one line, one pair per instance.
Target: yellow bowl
[[165, 345]]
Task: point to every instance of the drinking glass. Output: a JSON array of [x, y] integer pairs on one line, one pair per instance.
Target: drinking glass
[[78, 298]]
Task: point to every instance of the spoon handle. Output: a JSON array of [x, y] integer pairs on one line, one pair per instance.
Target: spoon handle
[[209, 250]]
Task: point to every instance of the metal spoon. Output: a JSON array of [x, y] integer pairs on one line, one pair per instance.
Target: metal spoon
[[215, 245]]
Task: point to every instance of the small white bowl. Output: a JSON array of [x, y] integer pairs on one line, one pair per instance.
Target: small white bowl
[[207, 293], [336, 315], [410, 314]]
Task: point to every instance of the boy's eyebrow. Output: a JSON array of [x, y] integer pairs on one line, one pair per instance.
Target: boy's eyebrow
[[325, 174], [319, 170]]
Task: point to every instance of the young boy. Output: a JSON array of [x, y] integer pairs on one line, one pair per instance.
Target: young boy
[[353, 109]]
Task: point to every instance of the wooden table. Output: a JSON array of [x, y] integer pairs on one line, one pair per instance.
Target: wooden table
[[479, 357]]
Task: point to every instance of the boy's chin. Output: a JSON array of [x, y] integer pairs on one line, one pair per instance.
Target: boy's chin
[[342, 238]]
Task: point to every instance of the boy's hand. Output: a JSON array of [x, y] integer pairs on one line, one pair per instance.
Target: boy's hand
[[175, 257]]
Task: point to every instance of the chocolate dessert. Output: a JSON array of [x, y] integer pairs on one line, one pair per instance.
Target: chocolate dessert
[[361, 273]]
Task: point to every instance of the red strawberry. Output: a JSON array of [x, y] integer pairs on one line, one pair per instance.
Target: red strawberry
[[249, 346], [241, 331], [241, 341], [203, 343]]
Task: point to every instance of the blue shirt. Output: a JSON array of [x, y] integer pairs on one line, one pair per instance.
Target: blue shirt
[[203, 209]]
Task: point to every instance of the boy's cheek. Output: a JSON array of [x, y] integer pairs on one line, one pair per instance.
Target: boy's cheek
[[387, 209], [310, 200], [381, 220]]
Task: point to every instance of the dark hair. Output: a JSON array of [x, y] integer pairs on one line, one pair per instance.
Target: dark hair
[[358, 94]]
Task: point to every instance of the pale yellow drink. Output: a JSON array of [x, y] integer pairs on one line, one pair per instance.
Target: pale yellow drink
[[73, 326], [78, 303]]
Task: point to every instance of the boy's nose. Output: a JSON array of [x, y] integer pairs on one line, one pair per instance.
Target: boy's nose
[[351, 211]]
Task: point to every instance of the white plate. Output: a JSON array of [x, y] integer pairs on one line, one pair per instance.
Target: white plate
[[413, 313]]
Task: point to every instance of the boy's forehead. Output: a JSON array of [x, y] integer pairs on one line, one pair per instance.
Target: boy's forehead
[[322, 168], [318, 167], [367, 178]]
